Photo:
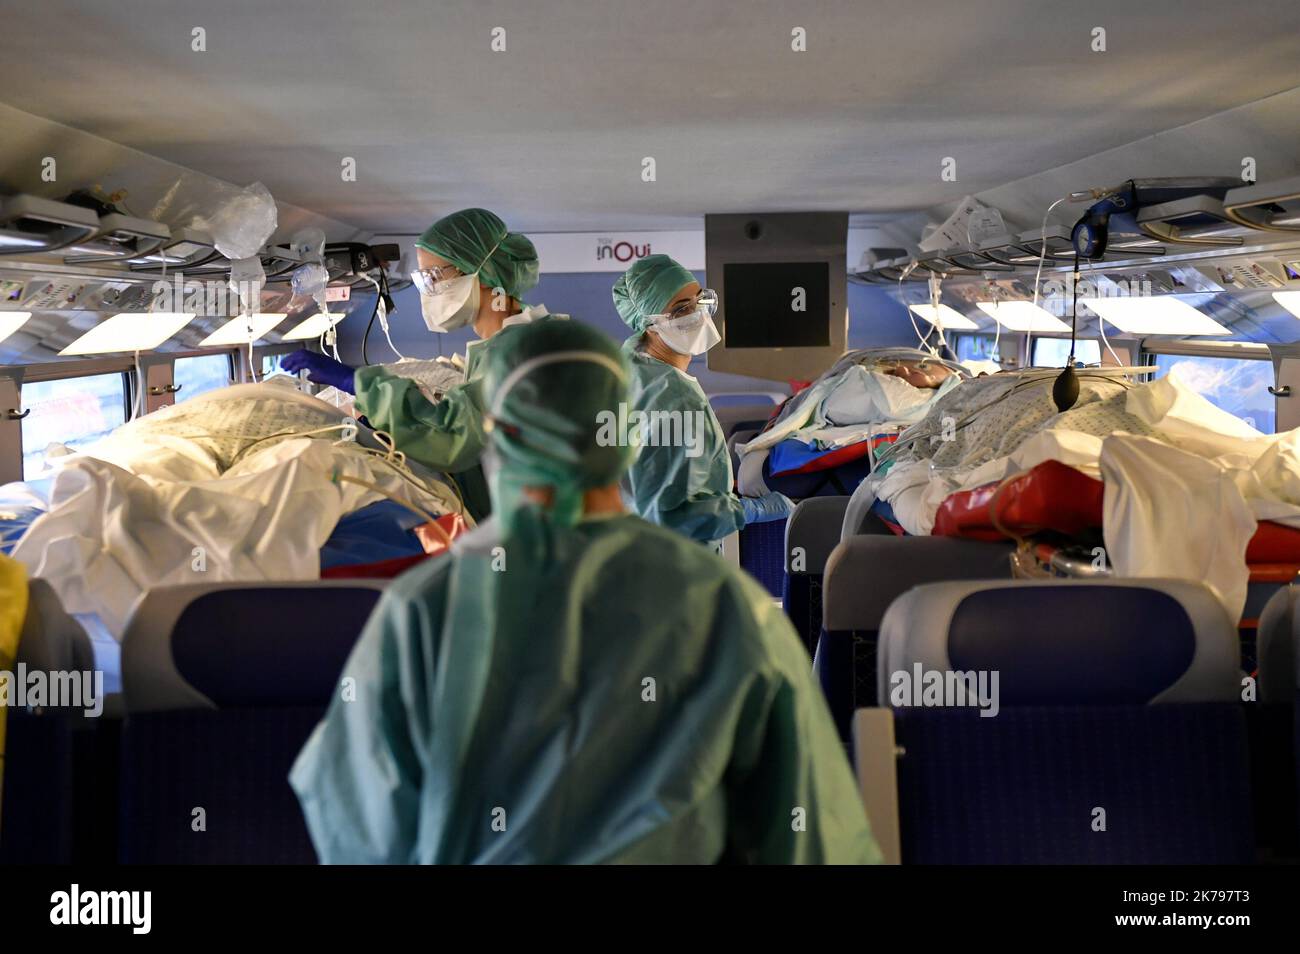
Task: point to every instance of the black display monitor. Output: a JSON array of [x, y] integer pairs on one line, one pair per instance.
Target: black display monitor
[[760, 301]]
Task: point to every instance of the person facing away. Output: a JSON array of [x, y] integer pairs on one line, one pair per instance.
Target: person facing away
[[571, 684], [682, 478], [472, 271]]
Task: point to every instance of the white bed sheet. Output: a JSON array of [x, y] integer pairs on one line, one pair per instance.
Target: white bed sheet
[[207, 491]]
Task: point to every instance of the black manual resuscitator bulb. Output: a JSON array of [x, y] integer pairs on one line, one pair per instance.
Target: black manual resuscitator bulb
[[1065, 390]]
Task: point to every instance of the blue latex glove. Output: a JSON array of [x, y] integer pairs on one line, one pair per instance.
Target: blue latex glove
[[321, 369], [766, 508]]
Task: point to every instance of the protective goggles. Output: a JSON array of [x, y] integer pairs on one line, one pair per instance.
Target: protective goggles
[[706, 301], [430, 281]]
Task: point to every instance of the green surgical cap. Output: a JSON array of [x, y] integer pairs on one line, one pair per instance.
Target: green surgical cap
[[476, 240], [647, 287], [556, 392]]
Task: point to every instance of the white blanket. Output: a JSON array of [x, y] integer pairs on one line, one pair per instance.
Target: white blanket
[[1185, 481], [850, 402], [850, 394], [217, 488], [986, 429]]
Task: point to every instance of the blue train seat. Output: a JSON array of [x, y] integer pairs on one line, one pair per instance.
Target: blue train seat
[[44, 780], [1114, 733], [1276, 724], [812, 532], [866, 573], [223, 684]]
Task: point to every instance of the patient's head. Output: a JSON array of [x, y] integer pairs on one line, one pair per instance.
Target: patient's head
[[919, 373]]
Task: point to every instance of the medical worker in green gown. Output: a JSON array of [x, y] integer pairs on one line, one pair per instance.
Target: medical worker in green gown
[[682, 477], [472, 271], [572, 684]]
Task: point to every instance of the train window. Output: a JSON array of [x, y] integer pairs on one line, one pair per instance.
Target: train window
[[976, 348], [1238, 385], [1053, 352], [206, 372], [71, 411], [271, 363]]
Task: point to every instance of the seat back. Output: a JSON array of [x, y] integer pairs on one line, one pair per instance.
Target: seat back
[[250, 645], [223, 684], [812, 532], [864, 574], [1072, 721], [1276, 722], [752, 415], [44, 779], [1279, 663], [737, 437], [762, 553], [51, 640], [1068, 642]]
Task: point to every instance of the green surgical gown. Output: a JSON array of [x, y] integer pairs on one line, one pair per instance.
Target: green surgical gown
[[609, 692], [684, 486], [447, 436]]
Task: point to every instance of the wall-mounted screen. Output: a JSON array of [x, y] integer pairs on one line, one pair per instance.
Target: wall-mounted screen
[[777, 304]]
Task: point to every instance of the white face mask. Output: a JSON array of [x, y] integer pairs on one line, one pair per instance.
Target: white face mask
[[694, 334], [453, 307]]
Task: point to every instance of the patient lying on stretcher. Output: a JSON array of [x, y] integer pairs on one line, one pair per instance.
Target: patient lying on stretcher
[[1185, 482], [863, 400], [921, 373], [244, 483]]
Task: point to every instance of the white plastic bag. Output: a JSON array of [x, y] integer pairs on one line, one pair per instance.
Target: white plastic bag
[[309, 244], [247, 278], [971, 222], [243, 222], [310, 281]]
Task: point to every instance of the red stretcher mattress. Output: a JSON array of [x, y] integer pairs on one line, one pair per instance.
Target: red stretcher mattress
[[1056, 497]]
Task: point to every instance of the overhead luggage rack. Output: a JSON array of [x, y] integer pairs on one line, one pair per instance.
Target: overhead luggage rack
[[30, 225], [1007, 252], [120, 238], [897, 269], [1195, 220], [1217, 224], [278, 260], [933, 264], [977, 261], [187, 248], [1052, 244], [1264, 206], [946, 264]]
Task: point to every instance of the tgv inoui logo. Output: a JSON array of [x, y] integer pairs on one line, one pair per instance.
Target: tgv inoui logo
[[103, 907], [620, 251]]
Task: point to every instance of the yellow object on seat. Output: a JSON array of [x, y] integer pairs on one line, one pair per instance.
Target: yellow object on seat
[[13, 613]]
